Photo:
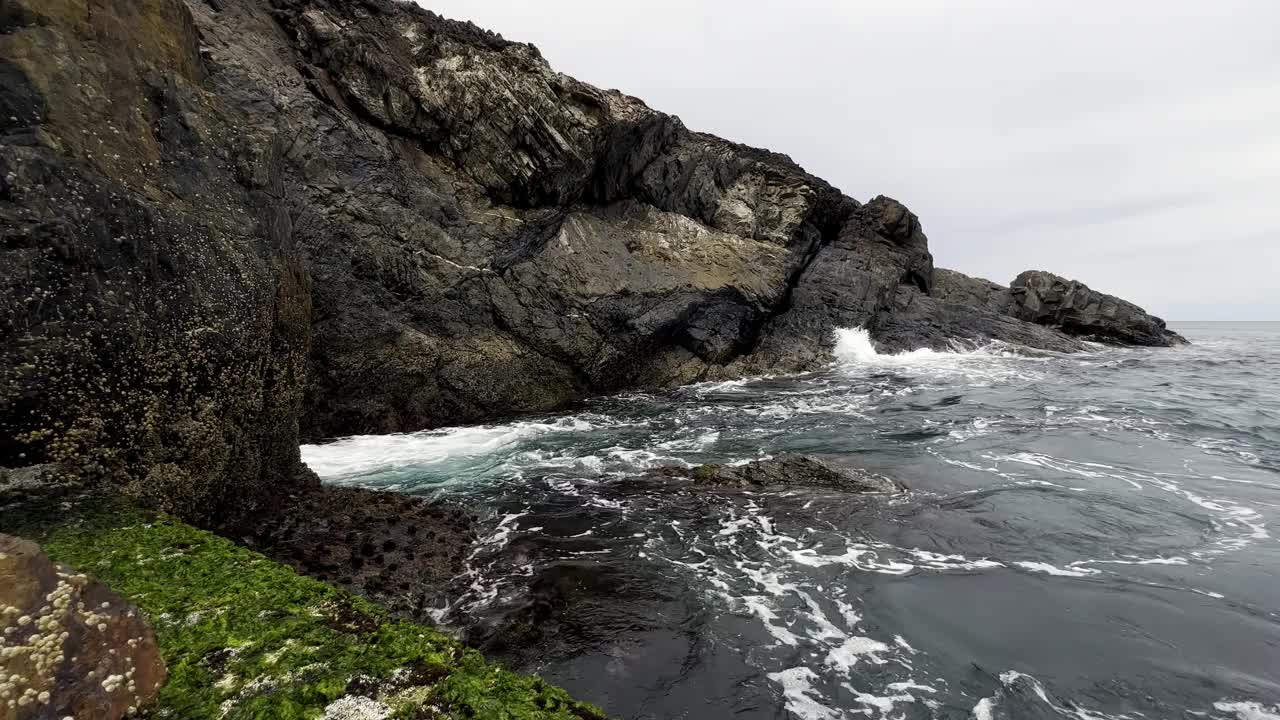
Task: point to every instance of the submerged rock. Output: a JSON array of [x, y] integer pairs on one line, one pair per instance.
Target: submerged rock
[[71, 647], [791, 471]]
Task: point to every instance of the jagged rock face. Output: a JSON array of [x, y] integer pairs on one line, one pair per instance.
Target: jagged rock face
[[915, 320], [72, 648], [1054, 306], [155, 322], [850, 282], [1071, 306], [231, 223], [487, 236], [957, 288]]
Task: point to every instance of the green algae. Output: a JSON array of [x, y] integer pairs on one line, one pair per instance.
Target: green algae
[[246, 637]]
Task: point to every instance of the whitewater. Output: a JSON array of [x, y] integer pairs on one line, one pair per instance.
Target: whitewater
[[1085, 536]]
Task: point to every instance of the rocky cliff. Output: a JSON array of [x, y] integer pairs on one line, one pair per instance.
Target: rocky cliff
[[228, 224]]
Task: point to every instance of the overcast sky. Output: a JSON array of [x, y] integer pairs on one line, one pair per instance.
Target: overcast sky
[[1131, 144]]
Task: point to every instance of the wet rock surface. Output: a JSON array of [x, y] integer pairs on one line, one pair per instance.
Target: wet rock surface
[[154, 317], [399, 550], [70, 647], [790, 471]]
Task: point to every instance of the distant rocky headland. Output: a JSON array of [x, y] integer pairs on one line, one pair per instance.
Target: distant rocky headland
[[231, 225]]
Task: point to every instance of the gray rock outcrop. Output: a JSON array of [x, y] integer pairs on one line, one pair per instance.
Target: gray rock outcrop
[[1072, 307]]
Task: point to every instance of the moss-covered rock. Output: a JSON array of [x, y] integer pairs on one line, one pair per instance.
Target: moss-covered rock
[[246, 637]]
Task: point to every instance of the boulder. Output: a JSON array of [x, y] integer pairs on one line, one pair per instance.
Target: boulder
[[70, 647], [956, 288], [789, 471]]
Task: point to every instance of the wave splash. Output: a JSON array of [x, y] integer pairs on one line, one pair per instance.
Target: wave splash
[[363, 456], [855, 352]]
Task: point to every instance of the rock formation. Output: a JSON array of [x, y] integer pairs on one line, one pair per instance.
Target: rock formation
[[791, 471], [228, 224], [156, 317], [1075, 309]]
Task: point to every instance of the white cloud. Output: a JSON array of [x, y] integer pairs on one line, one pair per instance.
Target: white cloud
[[1133, 144]]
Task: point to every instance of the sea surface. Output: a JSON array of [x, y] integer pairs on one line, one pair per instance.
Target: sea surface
[[1088, 536]]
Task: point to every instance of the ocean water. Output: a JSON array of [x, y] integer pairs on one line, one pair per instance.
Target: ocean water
[[1084, 536]]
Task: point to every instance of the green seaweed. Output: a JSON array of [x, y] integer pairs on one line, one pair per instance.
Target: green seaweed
[[246, 637]]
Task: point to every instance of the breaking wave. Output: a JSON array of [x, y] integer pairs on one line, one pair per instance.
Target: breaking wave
[[855, 352]]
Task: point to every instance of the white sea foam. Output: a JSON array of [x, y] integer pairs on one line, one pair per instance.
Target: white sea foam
[[1055, 570], [364, 455], [762, 571], [1236, 525], [1247, 710], [854, 351], [482, 590], [985, 708], [844, 657], [800, 695]]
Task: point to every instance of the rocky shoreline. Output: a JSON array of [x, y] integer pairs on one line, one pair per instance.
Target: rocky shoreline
[[274, 220], [233, 225], [240, 634]]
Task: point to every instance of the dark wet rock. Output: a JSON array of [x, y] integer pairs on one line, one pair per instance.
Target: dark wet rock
[[154, 316], [71, 647], [790, 471], [396, 549], [1039, 310], [850, 282], [474, 219], [1075, 309], [956, 288], [917, 321]]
